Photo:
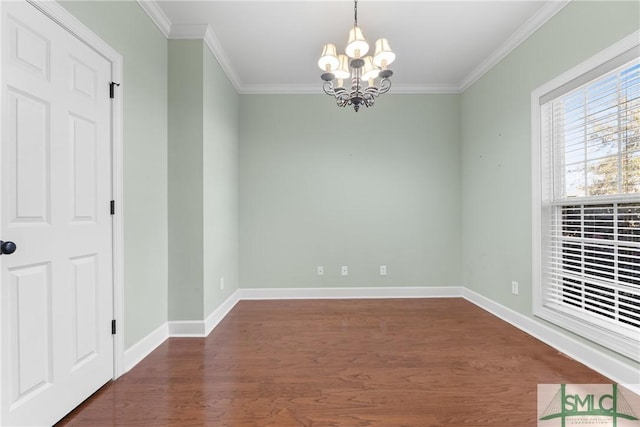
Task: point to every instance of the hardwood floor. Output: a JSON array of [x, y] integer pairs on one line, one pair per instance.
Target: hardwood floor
[[392, 362]]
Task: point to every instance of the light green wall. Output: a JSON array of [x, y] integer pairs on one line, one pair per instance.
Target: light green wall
[[220, 183], [203, 182], [320, 185], [496, 145], [185, 180], [126, 28]]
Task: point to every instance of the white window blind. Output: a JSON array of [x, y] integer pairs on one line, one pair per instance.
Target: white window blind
[[590, 185], [593, 268]]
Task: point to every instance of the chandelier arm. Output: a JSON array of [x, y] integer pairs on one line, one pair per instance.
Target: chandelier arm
[[369, 97], [342, 97], [385, 85], [373, 90], [327, 87]]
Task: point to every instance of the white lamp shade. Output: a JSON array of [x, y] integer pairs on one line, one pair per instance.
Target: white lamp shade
[[383, 56], [342, 72], [357, 46], [329, 59], [369, 72]]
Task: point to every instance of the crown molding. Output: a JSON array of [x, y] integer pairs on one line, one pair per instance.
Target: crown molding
[[219, 53], [204, 32], [425, 89], [188, 31], [522, 33], [281, 89], [316, 89], [156, 15]]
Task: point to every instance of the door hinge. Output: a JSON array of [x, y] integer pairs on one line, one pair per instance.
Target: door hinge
[[113, 327], [113, 207], [112, 90]]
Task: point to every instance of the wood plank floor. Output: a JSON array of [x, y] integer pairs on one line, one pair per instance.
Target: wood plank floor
[[392, 362]]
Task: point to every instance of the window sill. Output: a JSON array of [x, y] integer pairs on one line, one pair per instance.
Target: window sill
[[605, 337]]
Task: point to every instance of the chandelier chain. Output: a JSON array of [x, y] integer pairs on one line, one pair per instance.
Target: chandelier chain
[[355, 13]]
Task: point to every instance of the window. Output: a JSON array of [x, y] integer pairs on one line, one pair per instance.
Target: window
[[586, 139]]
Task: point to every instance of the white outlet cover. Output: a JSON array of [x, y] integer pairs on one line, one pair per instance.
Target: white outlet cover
[[221, 283], [344, 271], [383, 270], [320, 270]]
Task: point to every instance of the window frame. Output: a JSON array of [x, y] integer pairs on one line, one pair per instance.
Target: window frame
[[542, 207]]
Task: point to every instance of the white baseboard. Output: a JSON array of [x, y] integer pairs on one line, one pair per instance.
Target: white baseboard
[[141, 349], [614, 369], [351, 292], [202, 328], [219, 313], [186, 328]]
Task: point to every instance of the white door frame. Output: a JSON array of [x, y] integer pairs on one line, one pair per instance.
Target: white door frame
[[70, 23]]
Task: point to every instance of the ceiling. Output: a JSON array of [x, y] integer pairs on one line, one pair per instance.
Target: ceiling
[[273, 46]]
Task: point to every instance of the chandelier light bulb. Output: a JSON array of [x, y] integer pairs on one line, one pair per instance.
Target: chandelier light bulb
[[369, 72], [342, 72]]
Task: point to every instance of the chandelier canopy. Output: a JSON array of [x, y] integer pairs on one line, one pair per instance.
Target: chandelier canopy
[[371, 71]]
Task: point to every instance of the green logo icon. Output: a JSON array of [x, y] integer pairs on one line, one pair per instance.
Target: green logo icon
[[586, 405]]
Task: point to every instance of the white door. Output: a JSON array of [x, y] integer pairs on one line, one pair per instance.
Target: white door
[[56, 290]]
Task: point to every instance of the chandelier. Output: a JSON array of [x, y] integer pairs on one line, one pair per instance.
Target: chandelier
[[363, 70]]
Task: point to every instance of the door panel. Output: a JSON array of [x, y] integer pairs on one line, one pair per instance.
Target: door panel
[[31, 290], [56, 290], [27, 162], [28, 49], [83, 148], [83, 79], [85, 308]]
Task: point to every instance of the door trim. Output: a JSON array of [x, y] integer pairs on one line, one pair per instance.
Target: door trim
[[70, 23]]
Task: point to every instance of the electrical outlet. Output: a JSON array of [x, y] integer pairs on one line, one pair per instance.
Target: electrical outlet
[[514, 288], [383, 270], [344, 271], [320, 270], [221, 283]]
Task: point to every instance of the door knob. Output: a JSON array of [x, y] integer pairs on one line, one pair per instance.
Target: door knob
[[7, 247]]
